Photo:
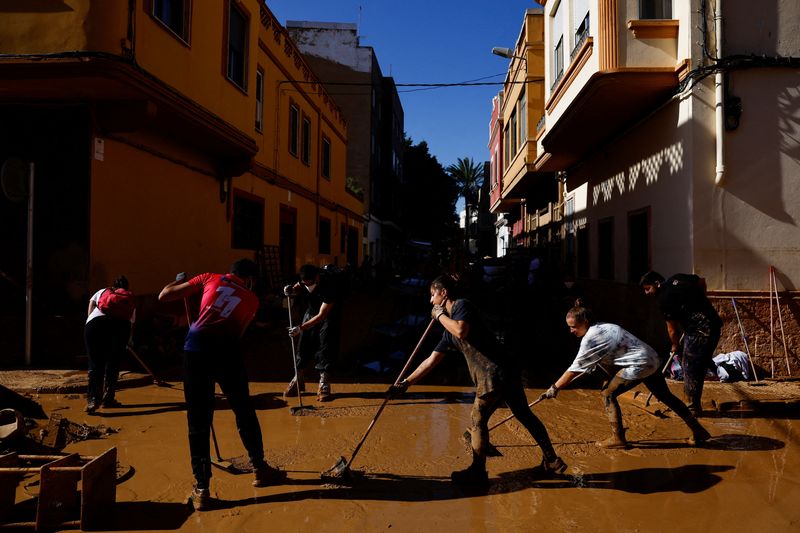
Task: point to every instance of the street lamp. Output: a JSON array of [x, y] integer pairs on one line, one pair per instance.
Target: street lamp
[[507, 53]]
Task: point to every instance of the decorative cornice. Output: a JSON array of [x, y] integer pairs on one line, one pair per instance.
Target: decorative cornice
[[654, 29]]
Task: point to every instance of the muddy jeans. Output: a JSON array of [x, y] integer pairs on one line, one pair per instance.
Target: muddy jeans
[[513, 395], [657, 385], [226, 367], [698, 353], [106, 338]]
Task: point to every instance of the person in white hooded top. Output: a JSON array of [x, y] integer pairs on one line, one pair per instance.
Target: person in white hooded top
[[628, 361]]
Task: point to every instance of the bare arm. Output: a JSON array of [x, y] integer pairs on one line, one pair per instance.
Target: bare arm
[[92, 307], [175, 290], [425, 366], [324, 311], [565, 379], [674, 333]]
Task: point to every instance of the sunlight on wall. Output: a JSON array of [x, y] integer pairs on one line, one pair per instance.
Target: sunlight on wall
[[649, 168]]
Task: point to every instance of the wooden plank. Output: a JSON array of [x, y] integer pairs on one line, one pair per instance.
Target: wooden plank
[[58, 493], [99, 490], [8, 485]]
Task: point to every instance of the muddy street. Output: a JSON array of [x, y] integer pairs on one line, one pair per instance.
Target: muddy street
[[745, 479]]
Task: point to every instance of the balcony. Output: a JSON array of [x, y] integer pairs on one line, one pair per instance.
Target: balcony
[[613, 79]]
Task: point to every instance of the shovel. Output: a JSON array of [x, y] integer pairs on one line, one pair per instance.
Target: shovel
[[237, 465], [300, 409], [341, 470]]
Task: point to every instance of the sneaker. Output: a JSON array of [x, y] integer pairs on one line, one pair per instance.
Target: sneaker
[[699, 436], [614, 443], [324, 393], [554, 466], [471, 476], [91, 407], [265, 475], [200, 498], [291, 389], [111, 402]]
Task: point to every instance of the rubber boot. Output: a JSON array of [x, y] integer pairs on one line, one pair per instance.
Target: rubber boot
[[699, 433], [291, 389], [475, 475], [617, 439], [324, 392]]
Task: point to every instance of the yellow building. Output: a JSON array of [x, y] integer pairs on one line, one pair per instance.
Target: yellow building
[[164, 136]]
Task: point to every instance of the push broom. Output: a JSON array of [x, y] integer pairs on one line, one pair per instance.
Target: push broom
[[341, 470]]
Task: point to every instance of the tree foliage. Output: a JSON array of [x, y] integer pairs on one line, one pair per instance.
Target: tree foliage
[[429, 196]]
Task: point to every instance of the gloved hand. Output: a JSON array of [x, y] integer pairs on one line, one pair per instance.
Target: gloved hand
[[395, 390], [550, 393], [438, 311], [288, 290], [294, 331], [181, 277]]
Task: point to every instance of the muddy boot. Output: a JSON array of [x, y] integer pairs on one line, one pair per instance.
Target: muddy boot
[[699, 434], [553, 466], [291, 389], [324, 392], [617, 439], [200, 498], [475, 475], [266, 475], [91, 407]]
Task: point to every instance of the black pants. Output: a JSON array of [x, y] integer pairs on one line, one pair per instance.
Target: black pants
[[226, 367], [320, 343], [106, 338], [513, 394]]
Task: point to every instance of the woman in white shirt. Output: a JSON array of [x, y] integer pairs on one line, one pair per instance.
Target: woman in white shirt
[[629, 361]]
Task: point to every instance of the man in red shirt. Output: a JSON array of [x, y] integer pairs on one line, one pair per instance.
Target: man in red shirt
[[212, 353]]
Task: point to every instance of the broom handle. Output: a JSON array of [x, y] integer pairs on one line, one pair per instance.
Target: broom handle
[[386, 400], [744, 338], [214, 440], [294, 356], [780, 317]]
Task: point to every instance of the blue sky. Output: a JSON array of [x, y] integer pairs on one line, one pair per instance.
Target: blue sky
[[432, 41]]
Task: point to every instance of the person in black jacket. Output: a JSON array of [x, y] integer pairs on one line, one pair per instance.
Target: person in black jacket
[[687, 311]]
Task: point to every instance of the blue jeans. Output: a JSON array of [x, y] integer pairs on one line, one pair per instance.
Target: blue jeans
[[698, 352]]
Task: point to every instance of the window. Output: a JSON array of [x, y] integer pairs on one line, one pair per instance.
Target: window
[[605, 248], [655, 9], [259, 100], [306, 146], [506, 147], [582, 236], [294, 128], [237, 45], [324, 236], [512, 128], [558, 61], [174, 14], [248, 221], [638, 244], [580, 22], [523, 119], [326, 158]]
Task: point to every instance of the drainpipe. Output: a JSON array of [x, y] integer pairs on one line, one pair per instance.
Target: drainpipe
[[719, 102]]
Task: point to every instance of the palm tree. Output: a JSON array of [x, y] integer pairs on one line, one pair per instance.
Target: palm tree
[[468, 175]]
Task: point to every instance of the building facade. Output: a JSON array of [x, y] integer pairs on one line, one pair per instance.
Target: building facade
[[163, 137], [671, 123], [374, 113], [528, 196]]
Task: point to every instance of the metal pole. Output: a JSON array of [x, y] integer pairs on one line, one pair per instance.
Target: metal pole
[[29, 272]]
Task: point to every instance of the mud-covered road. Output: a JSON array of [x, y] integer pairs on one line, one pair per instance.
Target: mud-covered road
[[746, 479]]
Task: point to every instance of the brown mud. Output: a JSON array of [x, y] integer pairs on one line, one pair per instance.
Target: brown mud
[[746, 479]]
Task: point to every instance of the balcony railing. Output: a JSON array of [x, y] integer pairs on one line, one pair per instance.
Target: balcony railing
[[578, 43], [540, 124]]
